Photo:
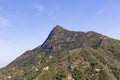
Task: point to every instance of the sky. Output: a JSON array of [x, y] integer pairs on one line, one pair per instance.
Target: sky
[[25, 24]]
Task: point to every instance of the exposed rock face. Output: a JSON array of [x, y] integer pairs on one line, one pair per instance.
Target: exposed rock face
[[68, 55], [45, 68], [54, 39], [59, 37]]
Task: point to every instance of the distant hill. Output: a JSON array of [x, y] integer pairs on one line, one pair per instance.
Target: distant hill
[[68, 55]]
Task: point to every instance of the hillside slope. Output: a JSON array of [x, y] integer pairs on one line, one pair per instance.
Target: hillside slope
[[68, 55]]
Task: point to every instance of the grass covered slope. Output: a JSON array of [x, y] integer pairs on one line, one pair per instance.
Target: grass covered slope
[[68, 55]]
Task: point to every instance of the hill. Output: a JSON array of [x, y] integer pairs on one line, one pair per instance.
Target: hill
[[68, 55]]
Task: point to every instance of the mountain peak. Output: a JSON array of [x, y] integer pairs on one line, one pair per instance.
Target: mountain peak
[[55, 35], [57, 29]]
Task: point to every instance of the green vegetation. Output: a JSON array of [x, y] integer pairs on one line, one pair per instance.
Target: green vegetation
[[67, 55], [78, 75]]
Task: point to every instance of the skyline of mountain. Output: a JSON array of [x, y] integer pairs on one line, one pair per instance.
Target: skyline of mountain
[[68, 55], [28, 22]]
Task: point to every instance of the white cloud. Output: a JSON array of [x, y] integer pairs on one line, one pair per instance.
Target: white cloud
[[3, 22], [39, 7]]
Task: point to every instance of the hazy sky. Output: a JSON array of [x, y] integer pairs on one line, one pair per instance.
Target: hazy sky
[[25, 24]]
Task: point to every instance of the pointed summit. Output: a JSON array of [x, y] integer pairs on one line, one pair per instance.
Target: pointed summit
[[58, 28], [55, 35]]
